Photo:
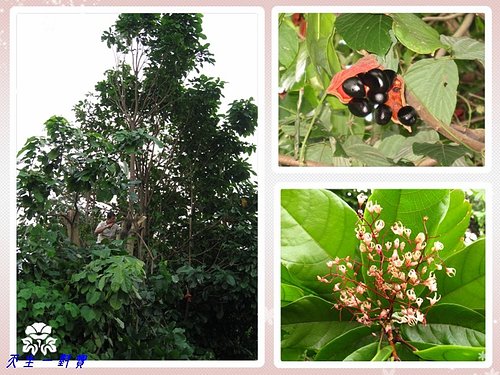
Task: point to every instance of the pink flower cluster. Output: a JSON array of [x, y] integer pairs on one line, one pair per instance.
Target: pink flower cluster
[[400, 282]]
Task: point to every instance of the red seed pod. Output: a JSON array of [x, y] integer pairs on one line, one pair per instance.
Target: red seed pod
[[395, 94]]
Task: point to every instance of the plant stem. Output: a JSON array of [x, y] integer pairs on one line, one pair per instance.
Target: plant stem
[[309, 128], [297, 124]]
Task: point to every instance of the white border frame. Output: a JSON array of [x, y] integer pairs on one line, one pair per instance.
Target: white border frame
[[259, 11], [488, 362], [383, 9]]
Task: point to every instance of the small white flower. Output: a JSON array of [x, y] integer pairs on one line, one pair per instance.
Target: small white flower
[[451, 271], [379, 225], [438, 246], [362, 198], [434, 299]]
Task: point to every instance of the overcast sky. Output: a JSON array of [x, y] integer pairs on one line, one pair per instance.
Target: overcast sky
[[60, 57]]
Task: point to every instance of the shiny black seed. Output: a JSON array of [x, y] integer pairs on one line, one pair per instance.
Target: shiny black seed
[[390, 75], [354, 87], [376, 80], [360, 107], [382, 114], [407, 115], [377, 97]]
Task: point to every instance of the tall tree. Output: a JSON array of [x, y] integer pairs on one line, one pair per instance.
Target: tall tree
[[149, 142]]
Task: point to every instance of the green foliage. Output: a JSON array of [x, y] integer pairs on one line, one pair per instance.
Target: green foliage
[[148, 142], [314, 230], [444, 79]]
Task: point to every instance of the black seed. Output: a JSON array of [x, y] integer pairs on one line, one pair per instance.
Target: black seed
[[376, 80], [390, 75], [377, 97], [407, 115], [360, 107], [354, 87], [382, 114]]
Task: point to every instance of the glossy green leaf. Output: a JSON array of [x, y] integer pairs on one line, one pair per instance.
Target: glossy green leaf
[[290, 293], [467, 287], [444, 334], [342, 346], [465, 48], [320, 45], [453, 332], [434, 83], [415, 34], [451, 353], [453, 314], [410, 206], [365, 353], [451, 230], [365, 31], [383, 354], [444, 154], [316, 226], [310, 323]]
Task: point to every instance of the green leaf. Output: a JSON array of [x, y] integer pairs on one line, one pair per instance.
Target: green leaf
[[451, 230], [365, 353], [102, 282], [451, 353], [448, 326], [434, 83], [467, 288], [320, 45], [320, 152], [445, 154], [391, 59], [464, 48], [342, 346], [367, 154], [290, 293], [115, 302], [444, 334], [382, 354], [363, 31], [316, 226], [406, 150], [310, 323], [92, 296], [288, 44], [87, 313], [25, 293], [415, 34], [230, 280], [410, 206], [448, 313], [72, 308]]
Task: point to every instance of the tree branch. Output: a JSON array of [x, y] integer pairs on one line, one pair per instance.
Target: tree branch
[[442, 18], [288, 161], [455, 133], [461, 31]]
